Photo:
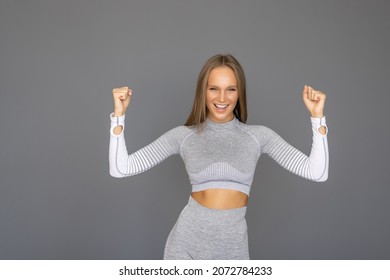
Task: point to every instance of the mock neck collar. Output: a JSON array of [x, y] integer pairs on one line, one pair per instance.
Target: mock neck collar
[[222, 125]]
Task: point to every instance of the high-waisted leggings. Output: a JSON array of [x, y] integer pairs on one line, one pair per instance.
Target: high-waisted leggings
[[202, 233]]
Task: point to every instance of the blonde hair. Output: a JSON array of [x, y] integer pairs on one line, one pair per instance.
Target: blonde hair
[[199, 110]]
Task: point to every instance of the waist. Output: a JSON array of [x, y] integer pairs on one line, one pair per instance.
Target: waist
[[221, 199]]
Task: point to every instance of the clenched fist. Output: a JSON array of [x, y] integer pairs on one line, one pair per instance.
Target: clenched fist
[[314, 101], [122, 97]]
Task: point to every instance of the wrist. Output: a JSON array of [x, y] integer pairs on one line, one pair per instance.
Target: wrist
[[319, 116], [318, 120], [118, 114]]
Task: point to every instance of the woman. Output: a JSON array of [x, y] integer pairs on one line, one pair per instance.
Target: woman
[[220, 153]]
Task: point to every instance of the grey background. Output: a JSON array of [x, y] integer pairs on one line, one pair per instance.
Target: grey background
[[60, 60]]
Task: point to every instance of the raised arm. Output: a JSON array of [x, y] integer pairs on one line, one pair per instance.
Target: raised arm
[[315, 103], [121, 164], [315, 166], [122, 98]]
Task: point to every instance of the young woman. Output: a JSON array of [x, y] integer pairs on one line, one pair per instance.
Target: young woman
[[220, 153]]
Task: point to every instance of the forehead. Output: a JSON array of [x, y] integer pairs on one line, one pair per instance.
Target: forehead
[[222, 75]]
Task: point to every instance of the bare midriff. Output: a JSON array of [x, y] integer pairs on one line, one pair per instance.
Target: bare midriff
[[221, 199]]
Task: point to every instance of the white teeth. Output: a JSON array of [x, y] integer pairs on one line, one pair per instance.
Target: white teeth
[[220, 106]]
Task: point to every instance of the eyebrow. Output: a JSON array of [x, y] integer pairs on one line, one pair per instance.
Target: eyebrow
[[211, 85]]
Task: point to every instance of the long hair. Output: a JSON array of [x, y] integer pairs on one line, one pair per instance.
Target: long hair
[[199, 109]]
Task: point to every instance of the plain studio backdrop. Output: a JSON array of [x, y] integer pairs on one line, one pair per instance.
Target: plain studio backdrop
[[60, 61]]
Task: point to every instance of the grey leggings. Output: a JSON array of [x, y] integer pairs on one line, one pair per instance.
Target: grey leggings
[[202, 233]]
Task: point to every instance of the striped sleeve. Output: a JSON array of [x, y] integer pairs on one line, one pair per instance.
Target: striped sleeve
[[121, 164], [313, 167]]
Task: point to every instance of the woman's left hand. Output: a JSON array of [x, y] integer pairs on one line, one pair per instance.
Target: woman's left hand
[[314, 101]]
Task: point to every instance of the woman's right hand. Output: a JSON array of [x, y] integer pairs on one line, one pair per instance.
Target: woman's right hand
[[122, 97]]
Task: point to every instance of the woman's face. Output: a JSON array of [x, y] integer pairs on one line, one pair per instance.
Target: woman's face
[[221, 94]]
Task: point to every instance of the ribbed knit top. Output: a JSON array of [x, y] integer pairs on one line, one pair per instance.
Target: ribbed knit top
[[221, 155]]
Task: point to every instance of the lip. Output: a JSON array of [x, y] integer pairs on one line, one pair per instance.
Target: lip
[[220, 110], [221, 106]]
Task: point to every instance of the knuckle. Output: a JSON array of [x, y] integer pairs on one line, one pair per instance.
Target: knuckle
[[120, 89]]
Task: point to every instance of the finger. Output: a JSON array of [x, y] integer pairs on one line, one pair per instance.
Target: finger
[[122, 93], [120, 89], [313, 95], [128, 94], [306, 94], [125, 95], [307, 89], [119, 94], [309, 93], [320, 96]]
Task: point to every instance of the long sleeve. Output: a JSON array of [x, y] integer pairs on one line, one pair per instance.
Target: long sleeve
[[313, 167], [121, 164]]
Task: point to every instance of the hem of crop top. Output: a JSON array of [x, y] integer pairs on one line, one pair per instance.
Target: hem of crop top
[[221, 185]]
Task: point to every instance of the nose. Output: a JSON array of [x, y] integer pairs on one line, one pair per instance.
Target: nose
[[222, 96]]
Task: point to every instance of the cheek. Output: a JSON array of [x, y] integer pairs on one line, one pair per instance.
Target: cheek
[[208, 101], [208, 97]]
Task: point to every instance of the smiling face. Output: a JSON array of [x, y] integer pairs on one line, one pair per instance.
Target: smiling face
[[221, 94]]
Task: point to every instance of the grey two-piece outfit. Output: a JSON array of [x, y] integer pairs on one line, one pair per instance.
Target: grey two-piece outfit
[[223, 156]]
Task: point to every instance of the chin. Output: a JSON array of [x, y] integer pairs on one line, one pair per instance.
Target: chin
[[221, 118]]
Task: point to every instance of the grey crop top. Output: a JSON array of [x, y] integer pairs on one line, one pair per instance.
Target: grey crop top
[[221, 155]]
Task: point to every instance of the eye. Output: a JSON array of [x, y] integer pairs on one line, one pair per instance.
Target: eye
[[232, 89], [213, 88]]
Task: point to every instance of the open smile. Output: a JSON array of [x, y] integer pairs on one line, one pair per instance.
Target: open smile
[[221, 107]]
